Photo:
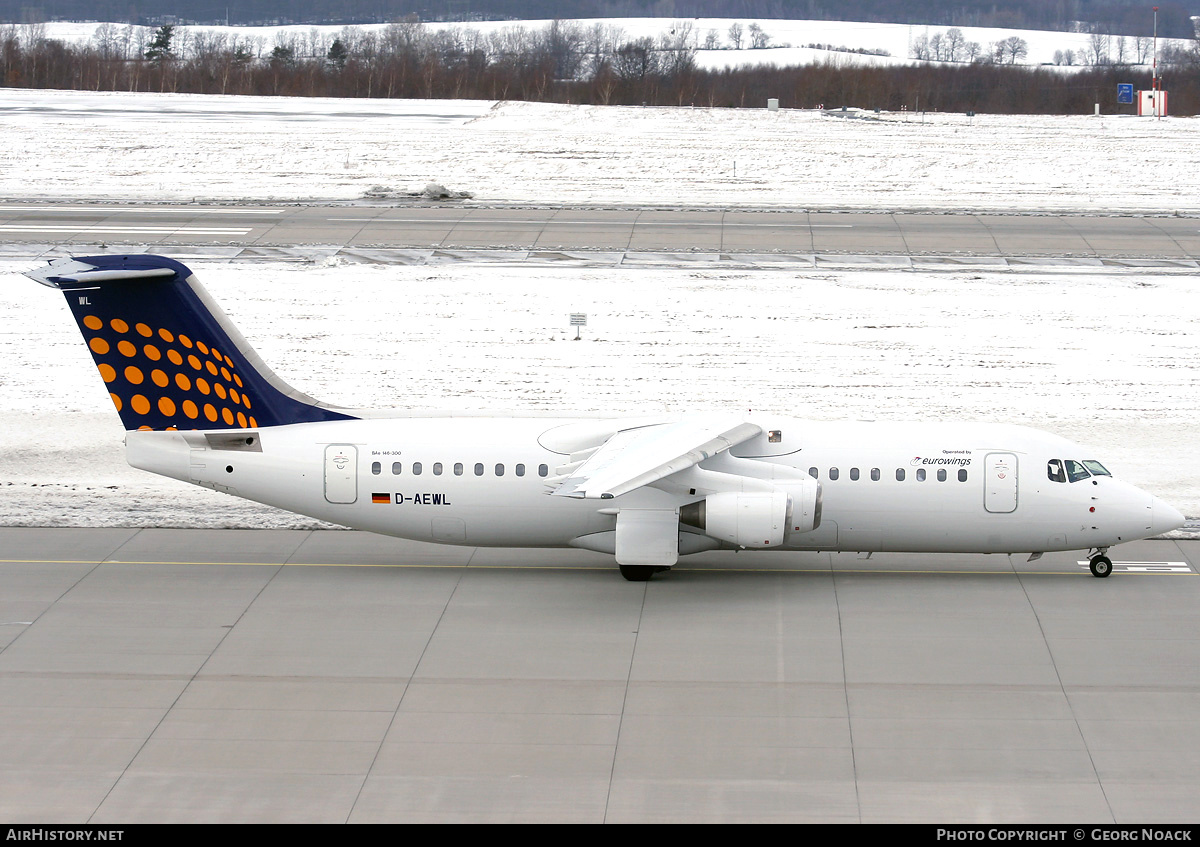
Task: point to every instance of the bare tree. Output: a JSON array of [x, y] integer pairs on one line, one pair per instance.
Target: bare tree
[[107, 39], [678, 46], [1122, 50], [563, 42], [600, 41], [403, 36], [758, 39], [1012, 49], [636, 60], [954, 43], [920, 48], [937, 48], [1142, 46], [735, 35]]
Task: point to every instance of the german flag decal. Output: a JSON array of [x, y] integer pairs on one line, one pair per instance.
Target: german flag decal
[[381, 498]]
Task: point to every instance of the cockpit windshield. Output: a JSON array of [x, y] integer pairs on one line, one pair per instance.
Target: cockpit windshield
[[1075, 471], [1071, 470]]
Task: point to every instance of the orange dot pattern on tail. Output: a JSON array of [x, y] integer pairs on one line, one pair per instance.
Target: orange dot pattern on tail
[[167, 380]]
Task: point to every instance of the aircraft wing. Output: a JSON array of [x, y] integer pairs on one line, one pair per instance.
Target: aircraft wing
[[636, 457]]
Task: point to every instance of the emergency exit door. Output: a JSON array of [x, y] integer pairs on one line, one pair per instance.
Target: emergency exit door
[[1000, 482], [341, 473]]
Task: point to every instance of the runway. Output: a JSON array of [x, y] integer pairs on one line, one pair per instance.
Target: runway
[[249, 230], [189, 675]]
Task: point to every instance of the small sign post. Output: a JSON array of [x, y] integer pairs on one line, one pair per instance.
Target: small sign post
[[578, 319]]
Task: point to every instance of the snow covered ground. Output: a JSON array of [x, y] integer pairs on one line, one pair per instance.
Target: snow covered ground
[[896, 40], [1108, 359], [153, 147]]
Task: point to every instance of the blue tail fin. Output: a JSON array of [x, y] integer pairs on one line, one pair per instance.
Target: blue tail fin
[[169, 355]]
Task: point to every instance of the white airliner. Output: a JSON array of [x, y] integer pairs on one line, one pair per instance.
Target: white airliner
[[199, 405]]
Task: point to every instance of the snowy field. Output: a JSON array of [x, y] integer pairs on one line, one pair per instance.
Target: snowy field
[[1111, 360], [785, 45], [154, 147]]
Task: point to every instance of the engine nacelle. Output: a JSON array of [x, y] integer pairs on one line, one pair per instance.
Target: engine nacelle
[[757, 519], [752, 519]]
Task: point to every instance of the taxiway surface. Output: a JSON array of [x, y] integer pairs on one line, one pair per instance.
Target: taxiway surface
[[207, 675], [363, 227]]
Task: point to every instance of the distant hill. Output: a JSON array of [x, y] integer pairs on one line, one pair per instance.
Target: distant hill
[[1127, 17]]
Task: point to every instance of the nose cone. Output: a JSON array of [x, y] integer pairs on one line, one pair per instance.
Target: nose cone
[[1164, 517]]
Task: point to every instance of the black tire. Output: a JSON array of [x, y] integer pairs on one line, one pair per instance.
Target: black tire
[[638, 573], [1101, 566]]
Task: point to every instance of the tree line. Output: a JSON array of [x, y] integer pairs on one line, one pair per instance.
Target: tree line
[[562, 62]]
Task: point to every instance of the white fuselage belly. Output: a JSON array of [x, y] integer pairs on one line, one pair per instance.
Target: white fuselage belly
[[296, 468]]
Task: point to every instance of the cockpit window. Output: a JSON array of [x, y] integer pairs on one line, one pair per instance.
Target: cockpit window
[[1075, 470], [1054, 470], [1096, 468]]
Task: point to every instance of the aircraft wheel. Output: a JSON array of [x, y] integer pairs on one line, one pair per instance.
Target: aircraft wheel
[[1101, 566], [638, 573]]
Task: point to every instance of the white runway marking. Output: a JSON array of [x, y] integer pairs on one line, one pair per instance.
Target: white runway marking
[[503, 222], [103, 209], [139, 230], [1147, 567]]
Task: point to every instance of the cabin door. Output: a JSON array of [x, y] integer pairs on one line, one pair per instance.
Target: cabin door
[[341, 473], [1000, 482]]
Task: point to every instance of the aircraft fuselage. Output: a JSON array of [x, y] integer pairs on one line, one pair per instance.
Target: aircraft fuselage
[[483, 482]]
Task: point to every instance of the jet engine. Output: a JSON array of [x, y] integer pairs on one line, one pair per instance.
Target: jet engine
[[757, 519]]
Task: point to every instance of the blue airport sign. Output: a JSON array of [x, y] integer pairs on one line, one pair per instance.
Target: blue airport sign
[[1125, 92]]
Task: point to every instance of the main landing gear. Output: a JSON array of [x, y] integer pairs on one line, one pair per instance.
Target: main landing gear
[[1100, 564]]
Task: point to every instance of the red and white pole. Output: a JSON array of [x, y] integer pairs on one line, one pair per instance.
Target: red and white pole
[[1154, 80]]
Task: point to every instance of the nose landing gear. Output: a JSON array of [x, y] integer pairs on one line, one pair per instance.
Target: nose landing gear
[[1099, 564]]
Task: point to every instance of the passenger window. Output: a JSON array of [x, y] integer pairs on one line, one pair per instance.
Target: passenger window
[[1055, 472], [396, 468], [920, 474], [543, 470], [416, 468], [437, 468], [899, 474], [458, 468], [875, 474], [833, 473], [962, 475], [941, 474], [499, 470], [814, 473], [519, 470], [854, 474], [376, 468], [479, 469]]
